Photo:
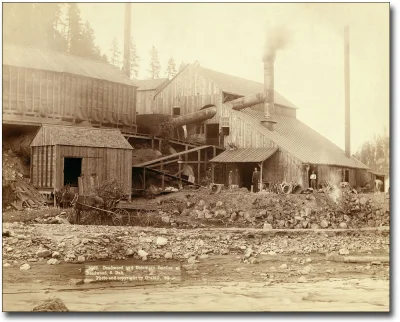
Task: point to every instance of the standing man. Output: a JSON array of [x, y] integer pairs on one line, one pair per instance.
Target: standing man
[[255, 180], [313, 178], [230, 179], [221, 138]]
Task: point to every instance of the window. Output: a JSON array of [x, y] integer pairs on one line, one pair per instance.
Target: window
[[176, 111]]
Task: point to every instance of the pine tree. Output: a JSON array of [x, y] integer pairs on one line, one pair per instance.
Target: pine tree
[[74, 31], [115, 54], [134, 60], [171, 69], [182, 66], [154, 64]]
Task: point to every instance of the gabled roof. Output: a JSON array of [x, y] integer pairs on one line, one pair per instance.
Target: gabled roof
[[244, 155], [239, 86], [300, 140], [44, 59], [80, 136], [151, 84]]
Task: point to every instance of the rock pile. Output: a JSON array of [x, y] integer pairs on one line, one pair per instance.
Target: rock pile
[[267, 211], [78, 244], [51, 305]]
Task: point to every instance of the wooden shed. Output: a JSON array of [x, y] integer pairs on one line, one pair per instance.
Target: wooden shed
[[62, 154]]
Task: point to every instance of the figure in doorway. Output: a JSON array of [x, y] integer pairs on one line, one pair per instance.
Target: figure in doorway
[[255, 180], [221, 138], [230, 179], [313, 178]]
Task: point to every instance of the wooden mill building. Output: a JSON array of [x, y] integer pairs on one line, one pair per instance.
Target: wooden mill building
[[287, 153], [48, 87], [147, 88], [62, 154]]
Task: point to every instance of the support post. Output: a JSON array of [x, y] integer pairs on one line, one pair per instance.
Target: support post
[[261, 175], [144, 178], [198, 165], [159, 144]]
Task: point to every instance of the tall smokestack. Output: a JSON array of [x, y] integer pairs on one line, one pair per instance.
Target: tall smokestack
[[347, 89], [277, 38], [268, 120], [127, 40]]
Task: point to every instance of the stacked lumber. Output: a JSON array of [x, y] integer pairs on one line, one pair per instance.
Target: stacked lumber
[[26, 196]]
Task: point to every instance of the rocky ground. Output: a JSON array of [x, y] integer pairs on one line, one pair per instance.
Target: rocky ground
[[310, 270], [237, 251]]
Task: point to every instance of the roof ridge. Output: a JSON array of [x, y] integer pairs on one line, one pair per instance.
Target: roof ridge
[[242, 79], [66, 54]]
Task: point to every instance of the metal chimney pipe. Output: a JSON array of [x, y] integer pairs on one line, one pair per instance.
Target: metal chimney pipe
[[347, 90], [127, 40], [268, 120]]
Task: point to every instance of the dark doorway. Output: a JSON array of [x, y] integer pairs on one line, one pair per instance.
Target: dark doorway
[[246, 174], [315, 169], [212, 134], [346, 175], [72, 170]]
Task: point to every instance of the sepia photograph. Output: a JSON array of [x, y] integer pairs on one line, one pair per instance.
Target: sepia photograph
[[196, 157]]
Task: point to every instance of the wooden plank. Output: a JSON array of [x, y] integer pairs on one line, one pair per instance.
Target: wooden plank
[[81, 187], [46, 165], [51, 166], [40, 92], [198, 165]]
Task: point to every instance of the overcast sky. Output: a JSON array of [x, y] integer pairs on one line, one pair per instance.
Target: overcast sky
[[309, 72]]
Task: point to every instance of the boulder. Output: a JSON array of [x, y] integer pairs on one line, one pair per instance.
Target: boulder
[[168, 255], [161, 241], [267, 226], [24, 267], [53, 261], [43, 253]]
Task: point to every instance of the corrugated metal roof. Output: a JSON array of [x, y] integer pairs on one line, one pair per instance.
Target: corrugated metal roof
[[44, 59], [80, 136], [244, 155], [151, 84], [300, 140], [240, 86]]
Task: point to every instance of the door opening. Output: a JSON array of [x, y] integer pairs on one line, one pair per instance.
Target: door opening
[[72, 170], [212, 134], [346, 175]]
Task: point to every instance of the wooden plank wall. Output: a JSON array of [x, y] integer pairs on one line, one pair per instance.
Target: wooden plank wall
[[335, 175], [105, 163], [283, 167], [43, 161], [145, 102], [50, 94], [190, 91]]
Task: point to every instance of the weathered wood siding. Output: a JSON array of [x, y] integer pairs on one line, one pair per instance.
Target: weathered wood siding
[[43, 165], [190, 91], [145, 102], [283, 167], [335, 175], [57, 95], [48, 165]]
